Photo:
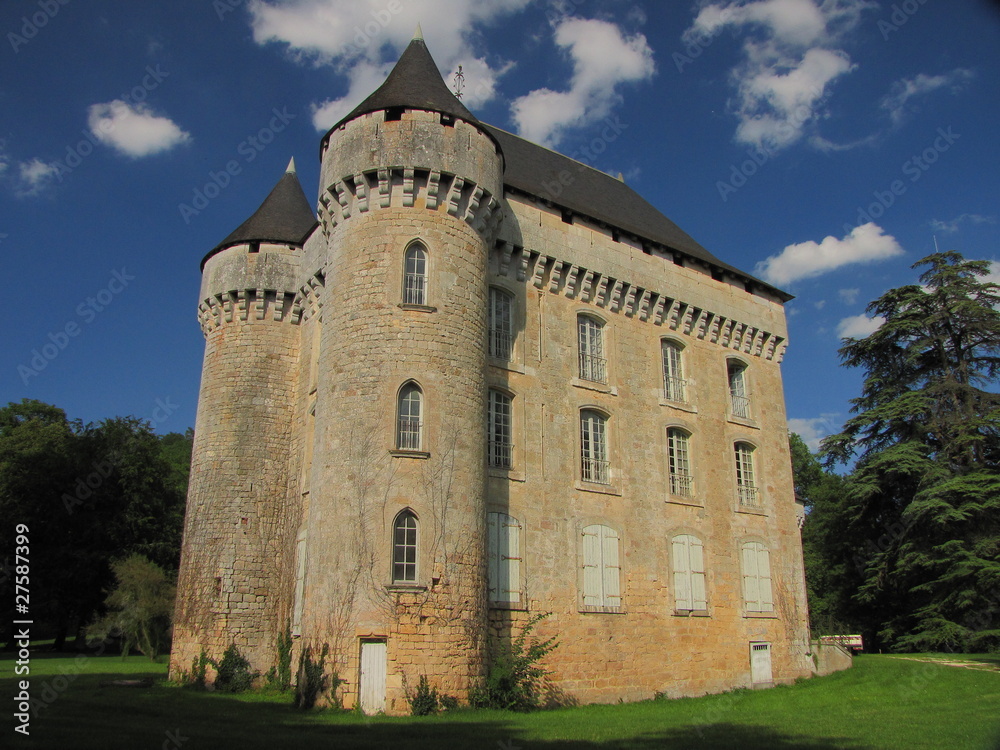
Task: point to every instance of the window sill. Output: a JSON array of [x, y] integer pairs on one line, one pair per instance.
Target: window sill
[[688, 501], [751, 511], [405, 588], [588, 609], [506, 364], [691, 613], [751, 423], [510, 474], [679, 405], [761, 615], [410, 454], [510, 606], [600, 489], [593, 385], [417, 308]]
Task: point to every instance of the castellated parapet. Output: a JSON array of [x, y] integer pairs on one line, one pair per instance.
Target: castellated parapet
[[482, 383]]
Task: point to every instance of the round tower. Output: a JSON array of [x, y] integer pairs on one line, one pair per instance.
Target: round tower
[[236, 574], [409, 205]]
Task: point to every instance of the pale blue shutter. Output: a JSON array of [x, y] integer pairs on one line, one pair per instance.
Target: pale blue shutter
[[612, 570], [682, 573], [592, 594]]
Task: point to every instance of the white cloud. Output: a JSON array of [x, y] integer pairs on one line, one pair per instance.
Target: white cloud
[[902, 91], [790, 60], [812, 431], [133, 129], [865, 244], [849, 296], [950, 227], [602, 59], [35, 175], [994, 274], [363, 38], [859, 326]]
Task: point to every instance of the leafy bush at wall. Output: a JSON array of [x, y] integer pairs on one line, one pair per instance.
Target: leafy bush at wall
[[514, 678]]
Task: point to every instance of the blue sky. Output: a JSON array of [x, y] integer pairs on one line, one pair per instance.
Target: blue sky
[[820, 145]]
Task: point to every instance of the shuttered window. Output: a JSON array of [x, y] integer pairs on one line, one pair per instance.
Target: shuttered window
[[504, 550], [673, 371], [679, 462], [415, 276], [688, 557], [601, 569], [756, 577]]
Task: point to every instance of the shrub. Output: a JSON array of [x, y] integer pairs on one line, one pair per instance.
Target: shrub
[[313, 681], [448, 702], [280, 676], [512, 682], [199, 670], [425, 700], [233, 673]]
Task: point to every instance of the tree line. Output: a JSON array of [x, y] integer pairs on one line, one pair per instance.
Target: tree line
[[91, 496]]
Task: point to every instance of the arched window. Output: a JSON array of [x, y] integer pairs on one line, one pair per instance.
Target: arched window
[[415, 276], [673, 371], [687, 554], [746, 483], [410, 412], [501, 324], [679, 462], [739, 396], [594, 447], [593, 365], [499, 445], [756, 563], [601, 569], [404, 548], [503, 534]]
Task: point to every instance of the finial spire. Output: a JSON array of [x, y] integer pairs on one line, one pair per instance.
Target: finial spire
[[291, 166], [418, 34]]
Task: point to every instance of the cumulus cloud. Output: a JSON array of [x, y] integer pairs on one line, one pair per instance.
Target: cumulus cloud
[[950, 227], [906, 89], [812, 431], [361, 39], [790, 60], [849, 296], [34, 176], [865, 244], [133, 129], [602, 59], [859, 326]]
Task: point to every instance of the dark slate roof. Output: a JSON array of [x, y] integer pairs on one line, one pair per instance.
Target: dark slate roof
[[284, 217], [415, 83], [555, 178]]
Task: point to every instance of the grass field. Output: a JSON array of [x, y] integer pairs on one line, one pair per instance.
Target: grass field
[[883, 702]]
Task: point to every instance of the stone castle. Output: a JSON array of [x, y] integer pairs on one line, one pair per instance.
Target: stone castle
[[487, 382]]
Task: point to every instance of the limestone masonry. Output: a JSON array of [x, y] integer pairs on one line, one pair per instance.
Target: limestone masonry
[[487, 382]]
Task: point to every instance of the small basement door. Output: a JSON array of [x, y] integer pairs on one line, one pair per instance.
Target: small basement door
[[372, 679]]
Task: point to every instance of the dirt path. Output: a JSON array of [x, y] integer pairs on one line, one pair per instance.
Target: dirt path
[[965, 664]]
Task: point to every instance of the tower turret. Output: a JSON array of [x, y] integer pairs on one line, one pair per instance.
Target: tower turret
[[239, 535], [409, 207]]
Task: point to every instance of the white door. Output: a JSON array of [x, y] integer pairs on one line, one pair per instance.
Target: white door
[[372, 679], [760, 663]]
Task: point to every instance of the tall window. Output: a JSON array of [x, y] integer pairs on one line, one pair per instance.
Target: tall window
[[415, 276], [673, 372], [679, 462], [756, 563], [689, 573], [404, 548], [746, 484], [593, 365], [504, 549], [501, 324], [739, 398], [499, 447], [594, 447], [408, 434], [601, 570]]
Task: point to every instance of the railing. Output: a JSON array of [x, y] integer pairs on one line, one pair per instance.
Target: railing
[[748, 495], [739, 405], [593, 368], [500, 454], [673, 389], [680, 484], [596, 471], [409, 434], [500, 344], [414, 286]]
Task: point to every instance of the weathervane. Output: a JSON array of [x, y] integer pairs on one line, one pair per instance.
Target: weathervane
[[459, 83]]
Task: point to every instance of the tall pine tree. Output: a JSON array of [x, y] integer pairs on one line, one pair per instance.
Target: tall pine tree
[[922, 506]]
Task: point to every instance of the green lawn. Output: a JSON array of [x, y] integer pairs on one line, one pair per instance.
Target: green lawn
[[883, 702]]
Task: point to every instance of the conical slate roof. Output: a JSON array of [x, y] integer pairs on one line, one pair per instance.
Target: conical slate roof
[[284, 217], [414, 83]]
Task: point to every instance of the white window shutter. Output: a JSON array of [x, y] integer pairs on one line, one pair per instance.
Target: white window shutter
[[682, 573], [510, 562], [592, 566], [699, 600], [764, 573], [493, 556], [751, 587], [612, 570]]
